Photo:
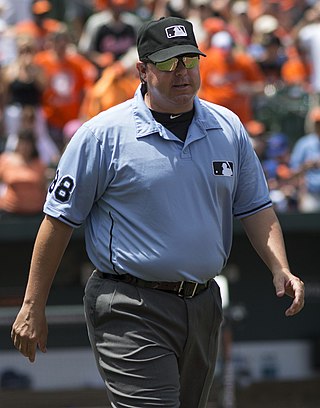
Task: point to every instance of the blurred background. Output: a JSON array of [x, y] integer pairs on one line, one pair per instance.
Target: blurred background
[[63, 61]]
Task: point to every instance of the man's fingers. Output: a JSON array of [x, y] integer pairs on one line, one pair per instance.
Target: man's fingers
[[280, 292], [279, 286], [295, 289], [42, 344], [26, 346], [31, 352], [295, 307], [30, 331]]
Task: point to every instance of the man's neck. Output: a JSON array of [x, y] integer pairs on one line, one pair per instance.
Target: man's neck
[[178, 124], [174, 110]]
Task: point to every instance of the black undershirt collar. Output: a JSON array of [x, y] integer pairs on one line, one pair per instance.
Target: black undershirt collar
[[178, 124]]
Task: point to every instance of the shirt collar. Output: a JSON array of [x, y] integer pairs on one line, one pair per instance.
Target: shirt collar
[[146, 124]]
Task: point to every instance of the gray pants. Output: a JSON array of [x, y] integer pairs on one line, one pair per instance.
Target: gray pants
[[153, 348]]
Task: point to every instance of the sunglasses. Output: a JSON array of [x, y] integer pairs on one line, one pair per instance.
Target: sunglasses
[[172, 63]]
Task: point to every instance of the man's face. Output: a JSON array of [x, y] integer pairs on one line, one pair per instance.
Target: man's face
[[170, 92]]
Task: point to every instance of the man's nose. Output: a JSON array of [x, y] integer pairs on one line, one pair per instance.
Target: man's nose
[[180, 68]]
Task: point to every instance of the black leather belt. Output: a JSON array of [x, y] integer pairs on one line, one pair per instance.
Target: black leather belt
[[185, 289]]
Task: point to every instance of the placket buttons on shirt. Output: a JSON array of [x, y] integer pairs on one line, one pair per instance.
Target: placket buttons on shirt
[[185, 153]]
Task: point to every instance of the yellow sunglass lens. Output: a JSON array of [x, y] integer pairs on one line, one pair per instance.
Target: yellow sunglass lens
[[169, 65], [172, 63], [190, 62]]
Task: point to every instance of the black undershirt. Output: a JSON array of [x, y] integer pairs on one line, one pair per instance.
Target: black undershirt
[[178, 124]]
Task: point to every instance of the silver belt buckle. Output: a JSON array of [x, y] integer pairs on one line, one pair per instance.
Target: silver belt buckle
[[182, 289]]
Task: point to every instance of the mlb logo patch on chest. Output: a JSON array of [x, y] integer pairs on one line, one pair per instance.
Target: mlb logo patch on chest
[[176, 31], [222, 168]]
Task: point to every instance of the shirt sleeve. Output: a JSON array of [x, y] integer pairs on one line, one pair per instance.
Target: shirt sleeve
[[252, 193], [81, 178]]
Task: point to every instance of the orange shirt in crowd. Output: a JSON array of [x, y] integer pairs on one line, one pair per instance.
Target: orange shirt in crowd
[[258, 7], [23, 189], [116, 85], [89, 70], [295, 70], [39, 33], [230, 84], [62, 98]]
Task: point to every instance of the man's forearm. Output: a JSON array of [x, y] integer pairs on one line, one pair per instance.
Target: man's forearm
[[265, 234], [51, 242]]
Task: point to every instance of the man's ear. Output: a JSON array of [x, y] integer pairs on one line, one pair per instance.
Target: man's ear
[[142, 69]]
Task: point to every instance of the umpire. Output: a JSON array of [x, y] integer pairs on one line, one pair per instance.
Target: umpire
[[156, 181]]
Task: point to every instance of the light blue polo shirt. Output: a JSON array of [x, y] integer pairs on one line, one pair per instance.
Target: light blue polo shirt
[[154, 206]]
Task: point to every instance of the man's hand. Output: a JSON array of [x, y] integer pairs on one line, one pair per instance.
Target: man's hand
[[264, 232], [290, 285], [29, 331]]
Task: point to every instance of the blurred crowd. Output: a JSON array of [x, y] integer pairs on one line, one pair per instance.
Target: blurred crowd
[[63, 61]]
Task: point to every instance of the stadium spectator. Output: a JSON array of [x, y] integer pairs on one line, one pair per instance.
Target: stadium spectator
[[63, 95], [294, 8], [296, 70], [273, 151], [110, 32], [221, 8], [23, 84], [149, 9], [240, 23], [211, 26], [309, 37], [31, 119], [7, 38], [266, 40], [118, 83], [22, 178], [76, 13], [230, 77], [272, 58], [40, 25], [282, 180], [89, 70], [305, 161], [15, 11], [257, 133]]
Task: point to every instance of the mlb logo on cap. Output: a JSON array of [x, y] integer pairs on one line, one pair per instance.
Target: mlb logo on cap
[[176, 31], [160, 40]]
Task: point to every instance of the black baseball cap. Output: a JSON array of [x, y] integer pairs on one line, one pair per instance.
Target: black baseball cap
[[160, 40]]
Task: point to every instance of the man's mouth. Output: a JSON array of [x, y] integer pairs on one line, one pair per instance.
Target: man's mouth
[[180, 85]]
